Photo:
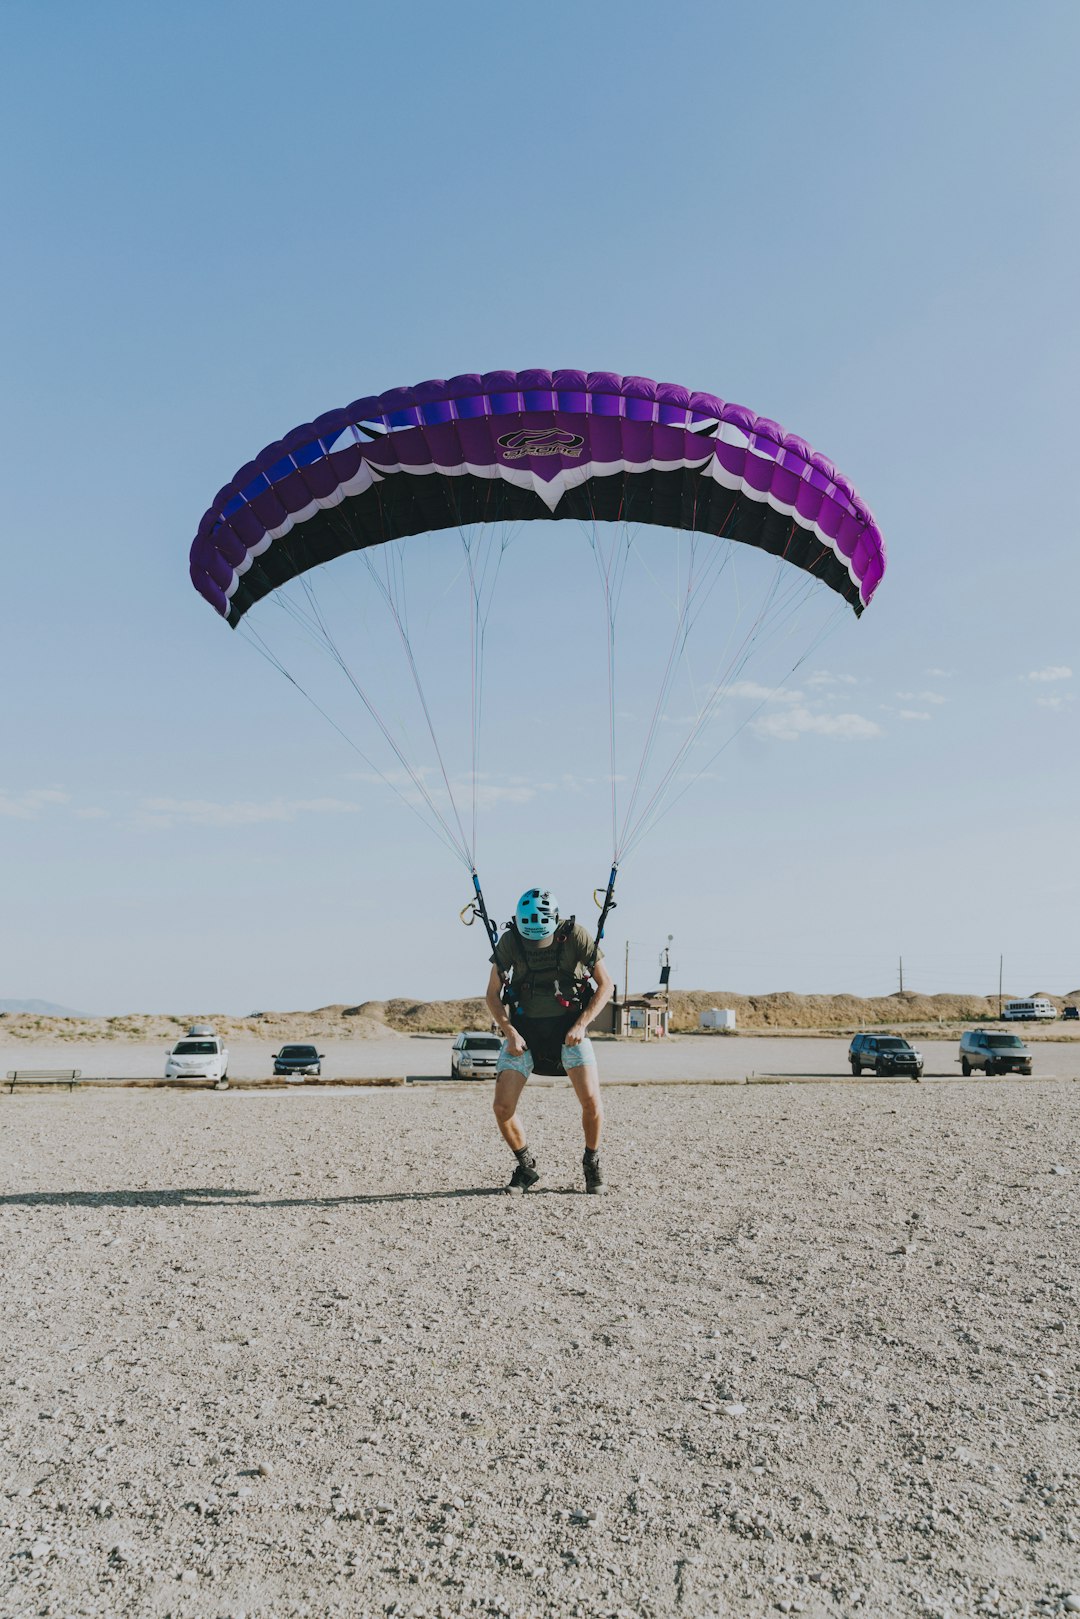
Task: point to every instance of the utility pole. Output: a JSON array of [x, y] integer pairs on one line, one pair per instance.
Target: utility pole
[[901, 975], [1001, 976], [665, 981], [626, 974]]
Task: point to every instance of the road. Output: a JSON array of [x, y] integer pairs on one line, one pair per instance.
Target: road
[[701, 1058]]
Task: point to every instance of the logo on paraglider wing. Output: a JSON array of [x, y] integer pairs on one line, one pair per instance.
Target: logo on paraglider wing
[[529, 441]]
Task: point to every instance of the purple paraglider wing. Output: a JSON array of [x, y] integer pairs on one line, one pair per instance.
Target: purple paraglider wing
[[515, 445]]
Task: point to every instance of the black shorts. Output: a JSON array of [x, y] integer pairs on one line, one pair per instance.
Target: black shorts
[[544, 1037]]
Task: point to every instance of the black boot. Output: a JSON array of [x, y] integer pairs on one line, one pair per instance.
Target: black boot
[[526, 1174], [594, 1175]]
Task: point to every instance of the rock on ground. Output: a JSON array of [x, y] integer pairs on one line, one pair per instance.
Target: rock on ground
[[272, 1356]]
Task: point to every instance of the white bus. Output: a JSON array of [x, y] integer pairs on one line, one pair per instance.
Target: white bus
[[1037, 1010]]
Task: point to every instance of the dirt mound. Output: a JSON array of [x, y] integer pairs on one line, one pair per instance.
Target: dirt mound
[[780, 1010], [783, 1009], [327, 1023], [436, 1017]]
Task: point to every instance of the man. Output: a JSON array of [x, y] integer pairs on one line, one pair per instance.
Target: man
[[553, 1001]]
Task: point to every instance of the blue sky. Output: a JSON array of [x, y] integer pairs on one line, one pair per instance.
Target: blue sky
[[225, 220]]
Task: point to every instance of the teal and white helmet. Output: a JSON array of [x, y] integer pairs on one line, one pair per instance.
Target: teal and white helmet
[[537, 914]]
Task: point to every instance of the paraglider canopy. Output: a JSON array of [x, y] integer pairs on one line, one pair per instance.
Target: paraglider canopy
[[515, 446]]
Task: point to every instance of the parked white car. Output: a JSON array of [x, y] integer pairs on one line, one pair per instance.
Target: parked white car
[[201, 1054], [474, 1055]]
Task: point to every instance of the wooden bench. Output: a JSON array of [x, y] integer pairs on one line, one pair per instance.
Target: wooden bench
[[43, 1076]]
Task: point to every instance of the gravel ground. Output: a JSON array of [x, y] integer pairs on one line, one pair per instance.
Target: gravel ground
[[287, 1354]]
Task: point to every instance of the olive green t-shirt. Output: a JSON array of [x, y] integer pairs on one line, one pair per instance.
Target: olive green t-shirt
[[569, 960]]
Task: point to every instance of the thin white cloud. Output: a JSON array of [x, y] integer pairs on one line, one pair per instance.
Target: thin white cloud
[[28, 804], [1058, 700], [405, 784], [933, 697], [489, 793], [940, 674], [912, 714], [514, 790], [789, 724], [1053, 671], [396, 778], [754, 692], [822, 677], [167, 812], [91, 813], [569, 782], [751, 691]]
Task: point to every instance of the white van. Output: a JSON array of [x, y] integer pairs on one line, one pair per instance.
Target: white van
[[201, 1054], [1037, 1010]]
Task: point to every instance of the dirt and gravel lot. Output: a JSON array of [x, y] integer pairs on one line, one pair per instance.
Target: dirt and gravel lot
[[289, 1354]]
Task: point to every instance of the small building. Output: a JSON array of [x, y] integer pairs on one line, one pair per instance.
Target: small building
[[646, 1016], [717, 1017]]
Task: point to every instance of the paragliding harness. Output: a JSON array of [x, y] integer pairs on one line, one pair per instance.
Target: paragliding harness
[[572, 992], [543, 1036]]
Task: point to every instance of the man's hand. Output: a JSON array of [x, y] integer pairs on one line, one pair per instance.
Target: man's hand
[[515, 1042], [579, 1030]]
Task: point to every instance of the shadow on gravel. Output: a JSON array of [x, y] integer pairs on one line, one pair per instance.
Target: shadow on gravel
[[201, 1197], [178, 1197], [405, 1197]]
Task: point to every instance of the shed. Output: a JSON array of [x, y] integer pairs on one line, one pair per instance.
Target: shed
[[717, 1017], [645, 1015]]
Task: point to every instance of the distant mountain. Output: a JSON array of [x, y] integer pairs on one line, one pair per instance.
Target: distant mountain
[[39, 1008]]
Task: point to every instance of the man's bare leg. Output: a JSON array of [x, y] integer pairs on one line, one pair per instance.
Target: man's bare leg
[[586, 1083], [509, 1085]]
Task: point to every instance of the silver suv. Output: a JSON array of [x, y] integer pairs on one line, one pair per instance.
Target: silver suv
[[474, 1055], [993, 1053]]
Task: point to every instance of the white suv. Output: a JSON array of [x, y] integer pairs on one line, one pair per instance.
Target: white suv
[[201, 1054]]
